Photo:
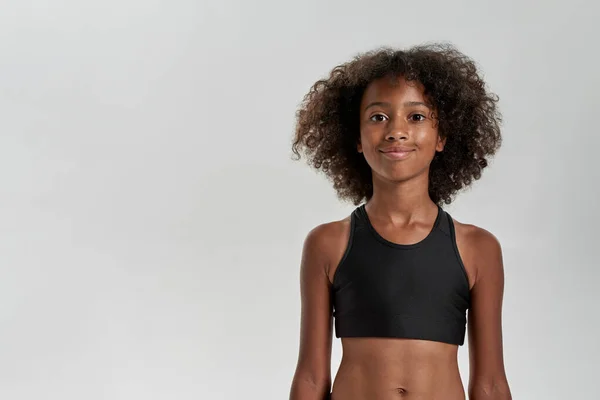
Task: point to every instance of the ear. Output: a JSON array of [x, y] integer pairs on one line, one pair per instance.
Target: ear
[[359, 146], [441, 143]]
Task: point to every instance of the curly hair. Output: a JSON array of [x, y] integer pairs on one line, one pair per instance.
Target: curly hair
[[328, 120]]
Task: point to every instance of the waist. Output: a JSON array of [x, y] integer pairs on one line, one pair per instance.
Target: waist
[[449, 330], [385, 368]]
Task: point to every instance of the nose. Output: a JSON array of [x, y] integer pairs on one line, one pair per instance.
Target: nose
[[397, 130]]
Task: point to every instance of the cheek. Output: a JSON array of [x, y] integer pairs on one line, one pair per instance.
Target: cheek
[[427, 137], [368, 139]]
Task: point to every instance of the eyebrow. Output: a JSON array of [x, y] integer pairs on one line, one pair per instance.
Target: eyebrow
[[406, 104]]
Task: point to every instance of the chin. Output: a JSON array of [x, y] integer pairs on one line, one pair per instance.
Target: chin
[[397, 176]]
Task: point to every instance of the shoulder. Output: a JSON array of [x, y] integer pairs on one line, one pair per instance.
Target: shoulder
[[476, 236], [327, 242], [480, 249]]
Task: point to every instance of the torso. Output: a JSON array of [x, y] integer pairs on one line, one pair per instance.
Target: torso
[[392, 368]]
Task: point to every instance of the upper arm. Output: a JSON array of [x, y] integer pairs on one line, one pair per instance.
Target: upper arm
[[487, 372], [314, 358]]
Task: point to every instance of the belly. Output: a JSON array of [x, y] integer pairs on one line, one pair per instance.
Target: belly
[[393, 369]]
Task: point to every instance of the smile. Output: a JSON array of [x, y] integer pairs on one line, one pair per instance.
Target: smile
[[397, 155]]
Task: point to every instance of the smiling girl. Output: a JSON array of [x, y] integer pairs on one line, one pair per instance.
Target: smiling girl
[[399, 133]]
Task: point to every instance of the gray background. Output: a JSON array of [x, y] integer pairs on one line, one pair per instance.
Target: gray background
[[151, 219]]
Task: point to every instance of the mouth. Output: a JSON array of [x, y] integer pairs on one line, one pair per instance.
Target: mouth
[[397, 154]]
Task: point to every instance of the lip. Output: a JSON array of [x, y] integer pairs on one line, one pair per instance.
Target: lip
[[397, 152]]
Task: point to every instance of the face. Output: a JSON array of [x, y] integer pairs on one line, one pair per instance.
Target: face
[[398, 134]]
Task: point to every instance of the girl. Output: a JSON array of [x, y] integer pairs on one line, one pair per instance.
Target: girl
[[399, 133]]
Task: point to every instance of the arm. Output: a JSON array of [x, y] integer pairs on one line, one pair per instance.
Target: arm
[[312, 378], [487, 378]]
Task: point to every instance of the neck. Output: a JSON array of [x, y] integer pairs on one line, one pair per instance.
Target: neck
[[405, 201]]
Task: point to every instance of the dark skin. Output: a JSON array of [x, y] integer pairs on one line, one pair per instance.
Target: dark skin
[[397, 112]]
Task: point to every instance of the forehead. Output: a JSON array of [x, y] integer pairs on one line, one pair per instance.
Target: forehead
[[391, 87]]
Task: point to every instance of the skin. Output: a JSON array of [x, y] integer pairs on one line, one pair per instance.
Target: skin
[[396, 112]]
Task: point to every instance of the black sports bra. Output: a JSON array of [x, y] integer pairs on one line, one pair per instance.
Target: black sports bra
[[386, 289]]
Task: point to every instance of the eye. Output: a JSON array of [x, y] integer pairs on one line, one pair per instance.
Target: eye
[[377, 117], [419, 117]]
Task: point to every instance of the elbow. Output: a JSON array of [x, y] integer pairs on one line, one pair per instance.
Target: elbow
[[310, 387], [496, 390]]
